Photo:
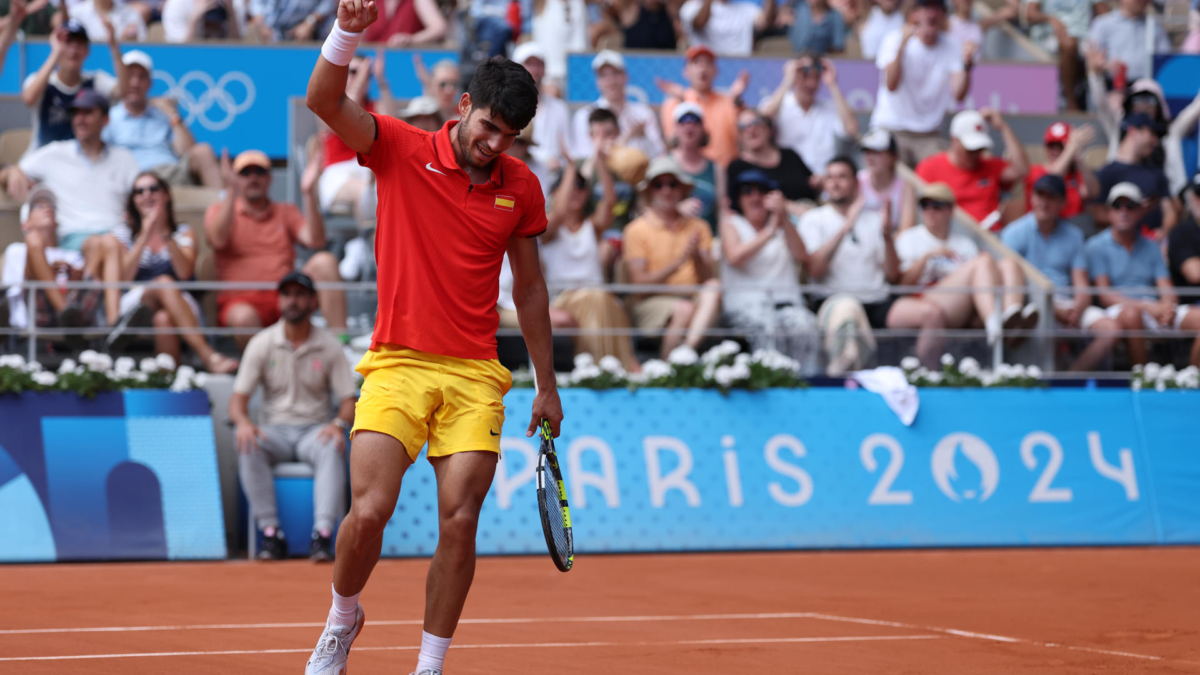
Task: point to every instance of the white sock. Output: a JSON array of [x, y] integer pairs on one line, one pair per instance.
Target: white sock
[[433, 651], [345, 609]]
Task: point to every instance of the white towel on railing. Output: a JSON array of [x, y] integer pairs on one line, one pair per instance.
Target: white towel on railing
[[890, 383]]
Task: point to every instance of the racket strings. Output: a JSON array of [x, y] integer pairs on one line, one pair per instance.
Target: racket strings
[[553, 507]]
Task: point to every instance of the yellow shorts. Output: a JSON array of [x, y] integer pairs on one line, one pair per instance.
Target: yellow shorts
[[413, 396]]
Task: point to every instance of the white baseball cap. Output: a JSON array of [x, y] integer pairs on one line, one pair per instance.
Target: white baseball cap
[[878, 140], [528, 50], [138, 57], [1127, 190], [608, 57], [970, 130], [687, 108]]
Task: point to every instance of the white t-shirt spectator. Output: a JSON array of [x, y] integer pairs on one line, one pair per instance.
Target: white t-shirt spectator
[[122, 17], [1124, 39], [91, 194], [730, 27], [177, 19], [573, 258], [915, 242], [857, 264], [924, 94], [813, 134], [551, 129], [876, 27], [14, 273], [963, 31], [649, 142]]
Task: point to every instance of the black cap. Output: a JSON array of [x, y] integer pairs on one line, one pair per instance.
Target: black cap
[[1137, 121], [755, 177], [1051, 185], [933, 4], [300, 279], [87, 99], [74, 29]]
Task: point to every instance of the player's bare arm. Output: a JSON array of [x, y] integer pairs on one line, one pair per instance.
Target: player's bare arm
[[533, 312], [327, 86]]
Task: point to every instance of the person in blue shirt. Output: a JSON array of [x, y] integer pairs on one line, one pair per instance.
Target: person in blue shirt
[[817, 28], [155, 133], [1125, 266]]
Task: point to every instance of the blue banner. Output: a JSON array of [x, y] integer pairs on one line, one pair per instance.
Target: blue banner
[[1179, 76], [829, 468], [231, 96], [129, 475]]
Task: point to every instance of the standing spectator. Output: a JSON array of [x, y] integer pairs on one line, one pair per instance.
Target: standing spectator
[[664, 246], [804, 123], [976, 180], [155, 133], [1055, 247], [552, 123], [407, 23], [344, 182], [101, 18], [253, 239], [718, 110], [725, 26], [885, 17], [880, 183], [852, 256], [443, 84], [50, 91], [923, 72], [1138, 143], [1126, 40], [706, 176], [195, 20], [1064, 147], [490, 29], [1119, 259], [645, 24], [936, 256], [817, 28], [303, 373], [1183, 259], [760, 250], [637, 121], [300, 20], [782, 165], [1060, 27], [559, 27]]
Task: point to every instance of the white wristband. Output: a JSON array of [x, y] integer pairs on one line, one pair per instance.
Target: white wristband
[[340, 46]]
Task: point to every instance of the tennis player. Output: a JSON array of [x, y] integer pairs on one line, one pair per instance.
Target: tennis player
[[451, 203]]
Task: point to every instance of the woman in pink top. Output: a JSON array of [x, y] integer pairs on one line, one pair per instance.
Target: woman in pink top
[[405, 23], [879, 182]]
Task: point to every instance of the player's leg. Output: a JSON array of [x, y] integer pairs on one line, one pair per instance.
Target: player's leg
[[377, 465]]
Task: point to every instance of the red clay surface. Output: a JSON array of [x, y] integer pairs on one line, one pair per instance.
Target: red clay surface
[[991, 611]]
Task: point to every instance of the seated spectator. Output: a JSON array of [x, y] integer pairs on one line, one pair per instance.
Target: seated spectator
[[344, 182], [573, 264], [407, 23], [851, 255], [39, 258], [1119, 259], [885, 17], [1060, 27], [1183, 257], [817, 28], [934, 255], [645, 24], [664, 246], [490, 30], [195, 20], [97, 16], [552, 123], [804, 123], [725, 26], [1125, 39], [760, 251], [155, 133], [718, 110], [637, 122], [1064, 147], [977, 181], [253, 239], [275, 20], [923, 73], [443, 84], [707, 178], [1055, 247], [422, 112], [880, 183], [159, 250], [756, 137], [603, 136], [1138, 142], [50, 91], [304, 374], [559, 27]]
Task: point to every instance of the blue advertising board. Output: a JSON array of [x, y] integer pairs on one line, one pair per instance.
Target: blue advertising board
[[663, 470], [126, 475], [1179, 76]]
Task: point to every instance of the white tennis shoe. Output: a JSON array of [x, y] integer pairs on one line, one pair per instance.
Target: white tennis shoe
[[333, 649], [428, 671]]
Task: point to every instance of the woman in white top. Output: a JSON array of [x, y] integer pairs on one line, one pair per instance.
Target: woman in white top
[[572, 265], [760, 251], [158, 250], [560, 26], [879, 182]]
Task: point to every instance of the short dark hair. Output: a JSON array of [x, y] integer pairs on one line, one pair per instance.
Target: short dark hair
[[506, 89], [843, 159], [602, 115]]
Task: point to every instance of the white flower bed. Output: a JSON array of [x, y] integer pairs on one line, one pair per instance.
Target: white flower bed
[[96, 372], [1162, 378]]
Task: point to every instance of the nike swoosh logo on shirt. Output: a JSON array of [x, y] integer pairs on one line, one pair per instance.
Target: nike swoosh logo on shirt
[[429, 167]]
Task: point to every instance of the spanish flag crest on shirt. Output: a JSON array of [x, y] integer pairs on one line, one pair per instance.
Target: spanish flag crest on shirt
[[505, 203]]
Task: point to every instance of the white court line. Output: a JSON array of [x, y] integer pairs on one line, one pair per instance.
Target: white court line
[[532, 645]]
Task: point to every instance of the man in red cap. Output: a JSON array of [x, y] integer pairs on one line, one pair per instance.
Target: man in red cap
[[720, 110], [1064, 147]]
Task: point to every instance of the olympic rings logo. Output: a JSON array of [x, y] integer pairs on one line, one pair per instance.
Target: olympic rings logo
[[215, 94]]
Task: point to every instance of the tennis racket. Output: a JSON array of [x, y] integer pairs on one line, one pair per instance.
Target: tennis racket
[[552, 503]]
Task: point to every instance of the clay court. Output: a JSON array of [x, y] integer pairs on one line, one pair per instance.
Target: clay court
[[1125, 610]]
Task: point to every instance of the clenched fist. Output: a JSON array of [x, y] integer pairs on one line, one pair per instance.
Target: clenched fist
[[355, 15]]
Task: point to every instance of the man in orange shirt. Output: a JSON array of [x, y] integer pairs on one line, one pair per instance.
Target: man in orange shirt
[[720, 110], [253, 239], [451, 203]]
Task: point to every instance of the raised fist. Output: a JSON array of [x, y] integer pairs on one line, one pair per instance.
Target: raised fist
[[355, 15]]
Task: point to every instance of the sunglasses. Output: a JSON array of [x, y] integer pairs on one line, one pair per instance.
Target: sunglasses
[[1054, 146], [690, 118], [253, 171], [1126, 205], [666, 185], [152, 189], [445, 85], [811, 70], [742, 126], [936, 205], [753, 190]]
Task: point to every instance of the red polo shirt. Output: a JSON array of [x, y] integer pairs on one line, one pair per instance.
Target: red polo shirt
[[977, 192], [440, 240]]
